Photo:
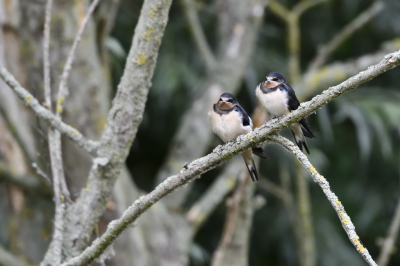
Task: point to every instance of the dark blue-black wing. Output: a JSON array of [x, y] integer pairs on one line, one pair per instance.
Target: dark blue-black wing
[[246, 121], [293, 104]]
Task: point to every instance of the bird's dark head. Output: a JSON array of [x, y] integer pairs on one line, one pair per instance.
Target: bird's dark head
[[273, 79], [226, 101]]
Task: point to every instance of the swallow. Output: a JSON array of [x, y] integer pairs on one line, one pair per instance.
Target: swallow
[[279, 99], [229, 120]]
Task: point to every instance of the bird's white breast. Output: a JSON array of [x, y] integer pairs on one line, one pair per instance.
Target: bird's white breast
[[276, 102], [228, 126]]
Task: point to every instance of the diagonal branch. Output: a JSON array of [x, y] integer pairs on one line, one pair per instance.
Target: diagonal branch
[[279, 9], [390, 239], [220, 188], [63, 88], [315, 81], [72, 133], [122, 125], [292, 19], [198, 34], [325, 51], [29, 183], [233, 247], [223, 153], [8, 259], [53, 254], [304, 5], [348, 226]]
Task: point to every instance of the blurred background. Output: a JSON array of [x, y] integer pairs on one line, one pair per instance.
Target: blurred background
[[210, 47]]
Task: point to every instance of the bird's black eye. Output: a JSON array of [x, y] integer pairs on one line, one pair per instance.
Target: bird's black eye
[[275, 79], [220, 100], [230, 100]]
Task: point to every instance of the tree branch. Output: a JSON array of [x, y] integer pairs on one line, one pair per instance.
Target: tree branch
[[198, 34], [54, 252], [348, 226], [307, 241], [224, 184], [63, 88], [240, 20], [8, 259], [16, 134], [390, 240], [292, 19], [233, 247], [123, 122], [326, 50], [88, 145], [279, 9], [304, 5], [223, 153], [29, 183], [314, 81], [274, 189]]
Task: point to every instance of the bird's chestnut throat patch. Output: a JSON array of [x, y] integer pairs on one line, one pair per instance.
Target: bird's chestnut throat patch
[[225, 105], [271, 84]]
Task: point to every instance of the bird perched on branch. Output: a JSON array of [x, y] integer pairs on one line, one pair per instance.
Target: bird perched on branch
[[279, 99], [229, 120]]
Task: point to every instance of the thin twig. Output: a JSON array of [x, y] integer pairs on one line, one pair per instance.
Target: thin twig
[[30, 183], [279, 9], [304, 5], [16, 134], [313, 82], [223, 153], [54, 253], [390, 240], [63, 88], [348, 226], [326, 50], [307, 244], [274, 189], [8, 259], [224, 184], [46, 55], [198, 34], [233, 246], [292, 19], [41, 173], [72, 133]]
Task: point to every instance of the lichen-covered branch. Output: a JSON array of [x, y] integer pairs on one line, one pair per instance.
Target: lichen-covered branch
[[63, 88], [123, 122], [88, 145], [223, 153], [8, 259], [325, 51], [198, 34], [54, 252], [348, 226]]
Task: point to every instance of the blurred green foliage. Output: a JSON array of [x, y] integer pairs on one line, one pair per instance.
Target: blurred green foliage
[[358, 144]]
